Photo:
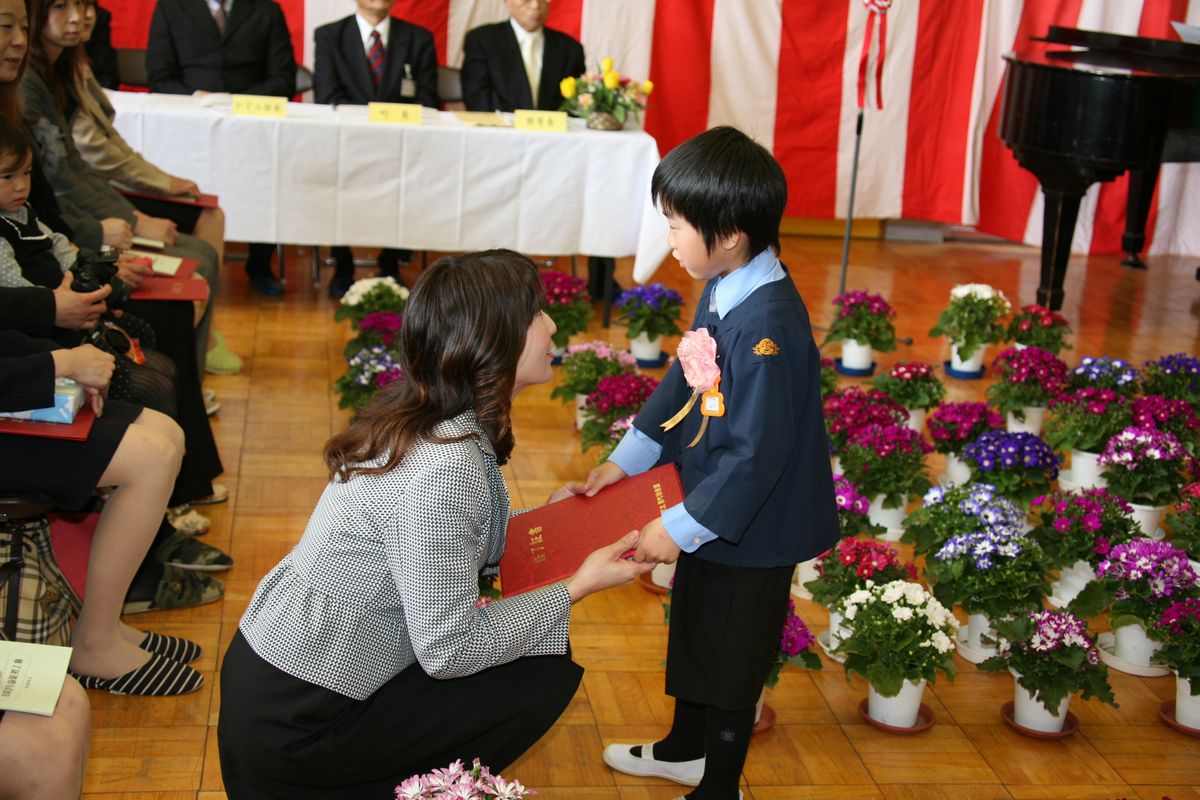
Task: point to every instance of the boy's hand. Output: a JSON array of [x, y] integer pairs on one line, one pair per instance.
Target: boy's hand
[[604, 475], [655, 545]]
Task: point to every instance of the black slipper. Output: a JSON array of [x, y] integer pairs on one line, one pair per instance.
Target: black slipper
[[175, 648], [158, 677]]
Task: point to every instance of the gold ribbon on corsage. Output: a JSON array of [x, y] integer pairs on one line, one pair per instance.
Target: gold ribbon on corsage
[[697, 355]]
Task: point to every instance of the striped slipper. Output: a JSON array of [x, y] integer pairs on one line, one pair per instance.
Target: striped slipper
[[158, 677], [175, 648]]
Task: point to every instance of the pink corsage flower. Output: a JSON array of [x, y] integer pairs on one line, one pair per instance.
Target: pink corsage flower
[[697, 355]]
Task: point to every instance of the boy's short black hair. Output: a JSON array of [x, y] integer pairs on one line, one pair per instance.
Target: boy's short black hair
[[14, 144], [722, 182]]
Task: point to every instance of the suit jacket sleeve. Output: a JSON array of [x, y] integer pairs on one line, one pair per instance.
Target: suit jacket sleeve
[[476, 81], [163, 69], [425, 68], [280, 60], [26, 372], [28, 309], [578, 62], [327, 83], [101, 53]]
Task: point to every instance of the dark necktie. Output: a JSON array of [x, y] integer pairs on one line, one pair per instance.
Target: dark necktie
[[375, 58], [220, 16]]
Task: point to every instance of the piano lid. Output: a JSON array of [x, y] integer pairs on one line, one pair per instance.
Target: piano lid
[[1105, 53]]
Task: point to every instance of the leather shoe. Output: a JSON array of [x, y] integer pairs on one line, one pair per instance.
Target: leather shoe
[[266, 284], [339, 285]]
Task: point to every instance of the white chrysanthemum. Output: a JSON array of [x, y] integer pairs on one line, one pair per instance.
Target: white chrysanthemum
[[942, 642], [981, 290], [902, 613]]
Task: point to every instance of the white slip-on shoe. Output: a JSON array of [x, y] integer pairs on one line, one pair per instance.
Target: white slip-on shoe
[[681, 797], [621, 758]]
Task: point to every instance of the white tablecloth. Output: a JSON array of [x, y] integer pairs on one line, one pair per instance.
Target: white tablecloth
[[326, 176]]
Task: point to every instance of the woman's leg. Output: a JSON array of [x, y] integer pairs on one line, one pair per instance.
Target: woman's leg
[[143, 471], [43, 758]]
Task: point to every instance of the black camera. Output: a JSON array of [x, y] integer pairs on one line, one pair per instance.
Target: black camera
[[93, 270]]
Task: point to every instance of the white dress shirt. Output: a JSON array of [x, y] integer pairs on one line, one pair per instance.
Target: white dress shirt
[[533, 47], [365, 28]]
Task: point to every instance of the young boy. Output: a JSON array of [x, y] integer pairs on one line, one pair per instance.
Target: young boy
[[758, 488], [366, 57]]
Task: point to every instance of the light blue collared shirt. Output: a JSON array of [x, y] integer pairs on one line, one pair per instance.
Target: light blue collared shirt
[[637, 452]]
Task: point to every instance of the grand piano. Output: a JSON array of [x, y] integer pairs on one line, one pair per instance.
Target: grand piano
[[1085, 106]]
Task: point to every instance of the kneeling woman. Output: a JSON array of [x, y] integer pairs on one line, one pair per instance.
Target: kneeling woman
[[363, 657]]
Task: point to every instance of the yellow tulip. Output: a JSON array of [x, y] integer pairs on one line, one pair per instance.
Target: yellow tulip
[[647, 87], [567, 87], [606, 66], [612, 80]]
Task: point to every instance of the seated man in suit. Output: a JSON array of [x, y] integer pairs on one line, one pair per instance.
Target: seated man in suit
[[507, 64], [202, 46], [371, 56]]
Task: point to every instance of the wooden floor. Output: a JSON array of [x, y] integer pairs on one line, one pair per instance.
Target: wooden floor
[[276, 415]]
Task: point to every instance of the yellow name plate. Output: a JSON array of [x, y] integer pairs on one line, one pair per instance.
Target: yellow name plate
[[257, 105], [394, 113], [549, 121]]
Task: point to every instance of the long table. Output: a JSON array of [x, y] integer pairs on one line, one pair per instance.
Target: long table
[[324, 175]]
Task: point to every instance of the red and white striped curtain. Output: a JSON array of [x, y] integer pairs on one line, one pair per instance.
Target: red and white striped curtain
[[786, 71]]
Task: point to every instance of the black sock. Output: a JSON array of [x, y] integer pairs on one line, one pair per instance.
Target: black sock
[[685, 741], [726, 740]]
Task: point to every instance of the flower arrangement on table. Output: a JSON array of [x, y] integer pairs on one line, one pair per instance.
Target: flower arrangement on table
[[1081, 526], [377, 329], [912, 384], [367, 371], [1085, 419], [887, 460], [1185, 522], [950, 511], [850, 408], [1176, 376], [1144, 466], [972, 319], [567, 303], [1029, 377], [604, 92], [865, 318], [1038, 326], [1019, 465], [1054, 655], [852, 509], [795, 647], [1176, 417], [850, 564], [1178, 628], [897, 632], [1144, 578], [458, 782], [996, 571], [1103, 372], [953, 426], [616, 397], [585, 364], [829, 377], [652, 310], [370, 295]]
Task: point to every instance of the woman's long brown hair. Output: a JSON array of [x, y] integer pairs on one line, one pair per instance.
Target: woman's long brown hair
[[59, 75], [10, 93], [463, 334]]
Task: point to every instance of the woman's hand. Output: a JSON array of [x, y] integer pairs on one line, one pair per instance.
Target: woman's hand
[[565, 491], [604, 475], [116, 233], [183, 186], [606, 567], [86, 365], [133, 269], [78, 311], [156, 228]]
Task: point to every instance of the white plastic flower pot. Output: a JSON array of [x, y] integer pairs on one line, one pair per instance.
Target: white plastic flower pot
[[916, 419], [892, 519], [1148, 517], [805, 571], [1132, 644], [835, 464], [557, 352], [1086, 469], [957, 470], [662, 575], [900, 711], [837, 628], [580, 405], [978, 626], [1034, 417], [972, 364], [644, 348], [1028, 711], [1071, 581], [856, 355], [1187, 705]]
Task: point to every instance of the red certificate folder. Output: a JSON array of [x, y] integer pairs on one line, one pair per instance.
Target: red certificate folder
[[156, 288], [75, 431], [549, 543], [202, 200]]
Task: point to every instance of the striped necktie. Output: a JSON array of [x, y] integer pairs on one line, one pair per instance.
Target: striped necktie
[[375, 58], [221, 16]]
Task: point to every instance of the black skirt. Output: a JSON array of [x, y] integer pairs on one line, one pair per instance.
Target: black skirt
[[65, 470], [725, 628]]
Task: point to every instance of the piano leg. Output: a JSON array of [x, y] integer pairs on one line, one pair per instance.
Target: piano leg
[[1058, 227], [1137, 209]]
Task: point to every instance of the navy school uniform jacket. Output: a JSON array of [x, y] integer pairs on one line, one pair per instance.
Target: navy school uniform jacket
[[760, 477]]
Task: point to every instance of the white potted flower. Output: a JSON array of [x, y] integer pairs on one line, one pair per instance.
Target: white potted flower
[[972, 321]]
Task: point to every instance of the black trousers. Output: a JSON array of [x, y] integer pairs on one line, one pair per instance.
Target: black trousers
[[282, 737], [389, 260]]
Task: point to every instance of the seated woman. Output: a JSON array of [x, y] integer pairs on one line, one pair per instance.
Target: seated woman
[[43, 758], [135, 450], [364, 657]]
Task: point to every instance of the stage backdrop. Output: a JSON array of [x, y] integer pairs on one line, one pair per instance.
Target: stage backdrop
[[786, 71]]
